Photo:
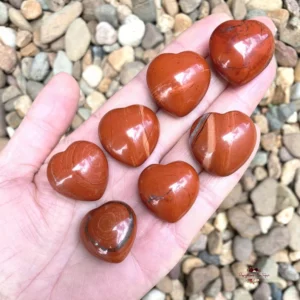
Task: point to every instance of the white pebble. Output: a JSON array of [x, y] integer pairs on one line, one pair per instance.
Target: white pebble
[[92, 75], [8, 36]]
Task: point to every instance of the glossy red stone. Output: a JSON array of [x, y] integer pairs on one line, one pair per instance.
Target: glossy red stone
[[108, 232], [178, 82], [240, 50], [169, 190], [80, 172], [129, 134], [222, 143]]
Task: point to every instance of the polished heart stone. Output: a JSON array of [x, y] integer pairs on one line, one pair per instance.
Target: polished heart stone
[[240, 50], [129, 134], [170, 190], [178, 82], [222, 143], [80, 172], [108, 232]]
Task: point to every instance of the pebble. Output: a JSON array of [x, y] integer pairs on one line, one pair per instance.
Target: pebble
[[40, 67], [95, 100], [199, 243], [182, 23], [285, 111], [275, 292], [30, 50], [265, 223], [92, 75], [228, 280], [120, 57], [292, 143], [286, 56], [214, 288], [154, 294], [281, 256], [289, 171], [165, 285], [31, 9], [266, 190], [293, 7], [8, 58], [226, 257], [199, 279], [268, 266], [209, 258], [3, 14], [221, 221], [130, 70], [2, 80], [123, 11], [273, 119], [276, 240], [274, 166], [284, 155], [22, 105], [3, 142], [62, 64], [253, 13], [260, 159], [165, 23], [145, 10], [131, 32], [246, 226], [33, 89], [297, 183], [232, 198], [204, 10], [263, 292], [171, 7], [84, 113], [10, 92], [188, 6], [266, 5], [107, 13], [13, 119], [104, 85], [222, 8], [177, 292], [269, 141], [294, 230], [23, 38], [291, 293], [18, 20], [8, 36], [215, 243], [285, 216], [105, 34], [191, 263], [77, 39], [262, 122], [76, 122], [62, 20], [288, 272], [111, 48], [239, 9], [241, 294], [152, 37], [242, 248]]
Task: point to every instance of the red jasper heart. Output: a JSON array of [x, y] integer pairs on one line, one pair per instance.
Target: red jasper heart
[[178, 82], [222, 143], [240, 50], [80, 172], [129, 134], [170, 190]]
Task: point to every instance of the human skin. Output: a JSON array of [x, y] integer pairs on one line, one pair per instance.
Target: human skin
[[41, 253]]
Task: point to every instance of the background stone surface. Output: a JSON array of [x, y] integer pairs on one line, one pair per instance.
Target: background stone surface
[[104, 44]]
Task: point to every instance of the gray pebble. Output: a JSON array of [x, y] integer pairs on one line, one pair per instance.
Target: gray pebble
[[145, 10], [260, 159], [130, 70], [84, 113], [275, 292], [26, 63], [107, 13], [152, 37], [285, 111], [2, 79], [255, 13], [111, 48], [40, 67], [3, 14], [62, 64], [295, 91], [209, 259], [33, 88], [284, 154], [273, 119], [288, 272]]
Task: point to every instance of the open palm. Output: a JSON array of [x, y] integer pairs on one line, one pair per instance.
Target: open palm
[[41, 254]]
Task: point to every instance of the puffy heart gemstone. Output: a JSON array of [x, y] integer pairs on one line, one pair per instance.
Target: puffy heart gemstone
[[240, 50], [170, 190], [80, 172], [222, 143], [178, 82], [108, 232], [129, 134]]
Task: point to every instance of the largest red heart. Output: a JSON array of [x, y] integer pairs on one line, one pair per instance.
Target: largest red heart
[[240, 50], [170, 190], [80, 172], [178, 82], [129, 134]]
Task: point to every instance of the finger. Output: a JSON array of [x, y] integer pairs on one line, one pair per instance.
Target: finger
[[41, 129], [243, 98], [136, 92]]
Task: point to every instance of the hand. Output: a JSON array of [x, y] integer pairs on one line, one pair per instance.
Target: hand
[[41, 254]]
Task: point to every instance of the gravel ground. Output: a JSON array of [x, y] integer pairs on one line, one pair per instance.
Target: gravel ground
[[104, 44]]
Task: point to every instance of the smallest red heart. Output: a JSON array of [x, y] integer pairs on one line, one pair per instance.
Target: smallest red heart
[[178, 82], [80, 172], [169, 190]]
